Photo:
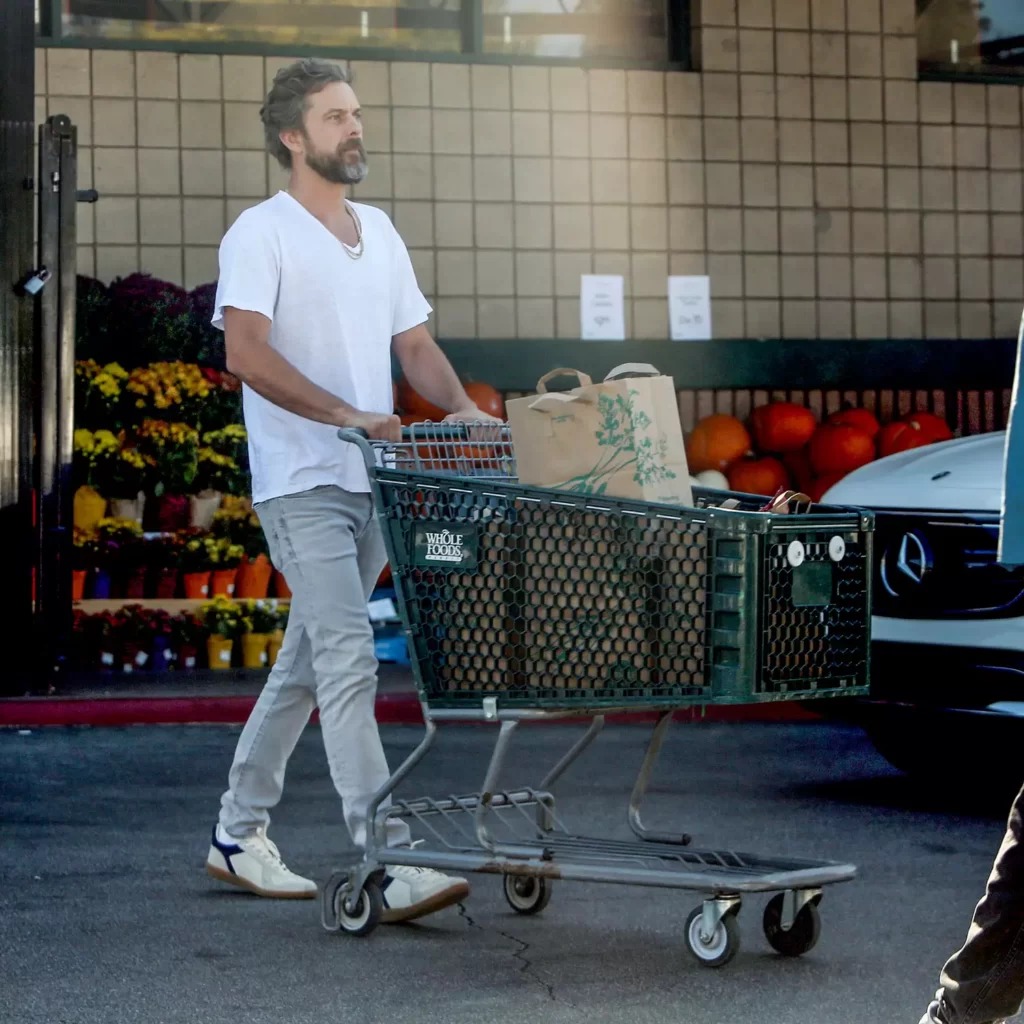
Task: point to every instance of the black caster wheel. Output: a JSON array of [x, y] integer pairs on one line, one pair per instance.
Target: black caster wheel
[[367, 913], [804, 934], [527, 895], [723, 945]]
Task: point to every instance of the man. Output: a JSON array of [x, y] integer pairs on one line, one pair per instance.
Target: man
[[315, 293], [984, 982]]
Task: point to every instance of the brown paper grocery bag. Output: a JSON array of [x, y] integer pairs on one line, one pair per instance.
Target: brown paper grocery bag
[[619, 438]]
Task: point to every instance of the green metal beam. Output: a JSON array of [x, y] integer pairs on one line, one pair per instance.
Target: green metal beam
[[771, 365]]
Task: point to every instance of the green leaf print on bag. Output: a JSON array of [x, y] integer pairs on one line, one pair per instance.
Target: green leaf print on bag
[[621, 429]]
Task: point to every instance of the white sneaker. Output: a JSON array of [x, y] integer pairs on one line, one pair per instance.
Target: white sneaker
[[254, 863], [415, 892]]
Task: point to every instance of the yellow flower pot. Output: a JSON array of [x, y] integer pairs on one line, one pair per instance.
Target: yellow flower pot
[[254, 650], [218, 650], [90, 508], [274, 646]]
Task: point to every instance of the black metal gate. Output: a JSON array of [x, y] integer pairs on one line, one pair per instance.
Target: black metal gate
[[37, 344], [17, 73]]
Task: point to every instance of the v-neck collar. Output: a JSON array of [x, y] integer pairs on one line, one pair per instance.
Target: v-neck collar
[[322, 225]]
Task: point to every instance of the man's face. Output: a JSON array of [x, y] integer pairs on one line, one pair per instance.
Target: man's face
[[332, 139]]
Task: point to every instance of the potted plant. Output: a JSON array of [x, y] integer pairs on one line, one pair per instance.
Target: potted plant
[[99, 392], [125, 478], [260, 620], [90, 449], [221, 471], [194, 562], [164, 556], [121, 554], [188, 634], [133, 632], [162, 638], [174, 449], [242, 525], [224, 625], [225, 558], [85, 557], [277, 635]]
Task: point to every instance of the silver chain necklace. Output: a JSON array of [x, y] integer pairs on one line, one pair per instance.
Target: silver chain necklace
[[356, 251]]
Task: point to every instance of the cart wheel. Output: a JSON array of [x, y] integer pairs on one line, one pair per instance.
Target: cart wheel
[[724, 944], [801, 938], [367, 914], [527, 895]]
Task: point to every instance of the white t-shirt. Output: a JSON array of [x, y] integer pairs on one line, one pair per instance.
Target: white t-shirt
[[332, 317]]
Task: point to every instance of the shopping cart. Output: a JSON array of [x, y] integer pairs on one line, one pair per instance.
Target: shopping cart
[[522, 603]]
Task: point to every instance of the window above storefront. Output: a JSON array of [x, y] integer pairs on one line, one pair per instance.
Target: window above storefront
[[971, 38], [599, 31]]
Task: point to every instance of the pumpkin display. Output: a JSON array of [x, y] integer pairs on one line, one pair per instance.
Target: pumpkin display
[[840, 449], [782, 427], [486, 398], [394, 395], [758, 476], [901, 436], [935, 428], [862, 419], [413, 403], [817, 489], [716, 443], [800, 469]]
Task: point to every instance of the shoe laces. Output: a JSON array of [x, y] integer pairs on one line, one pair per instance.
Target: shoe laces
[[265, 848]]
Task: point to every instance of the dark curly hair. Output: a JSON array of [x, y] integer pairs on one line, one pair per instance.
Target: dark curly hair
[[287, 100]]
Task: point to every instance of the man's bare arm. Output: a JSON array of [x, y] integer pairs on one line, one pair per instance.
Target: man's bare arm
[[427, 369], [268, 373]]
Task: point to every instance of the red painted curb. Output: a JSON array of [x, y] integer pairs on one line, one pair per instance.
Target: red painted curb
[[392, 709]]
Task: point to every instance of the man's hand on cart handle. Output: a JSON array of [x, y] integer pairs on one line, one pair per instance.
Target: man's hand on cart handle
[[471, 414], [378, 426]]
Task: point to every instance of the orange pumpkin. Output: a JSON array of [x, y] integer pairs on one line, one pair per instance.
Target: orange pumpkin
[[413, 403], [817, 489], [862, 419], [394, 395], [486, 398], [765, 476], [800, 468], [901, 436], [716, 443], [934, 427], [385, 577], [840, 449], [782, 427]]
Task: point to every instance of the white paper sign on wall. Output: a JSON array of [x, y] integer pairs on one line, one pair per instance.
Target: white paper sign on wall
[[689, 307], [602, 317]]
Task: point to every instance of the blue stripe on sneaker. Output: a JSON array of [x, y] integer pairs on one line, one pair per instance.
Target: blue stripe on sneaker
[[226, 850]]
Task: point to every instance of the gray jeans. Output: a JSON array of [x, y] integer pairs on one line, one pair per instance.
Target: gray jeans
[[329, 546]]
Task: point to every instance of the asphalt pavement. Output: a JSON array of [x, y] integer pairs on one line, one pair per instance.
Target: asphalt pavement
[[106, 916]]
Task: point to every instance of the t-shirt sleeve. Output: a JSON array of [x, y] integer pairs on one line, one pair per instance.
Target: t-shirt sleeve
[[410, 308], [250, 269]]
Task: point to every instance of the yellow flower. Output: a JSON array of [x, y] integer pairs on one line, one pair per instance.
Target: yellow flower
[[84, 440]]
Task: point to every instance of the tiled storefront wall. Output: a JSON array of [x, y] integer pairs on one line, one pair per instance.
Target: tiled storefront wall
[[826, 191]]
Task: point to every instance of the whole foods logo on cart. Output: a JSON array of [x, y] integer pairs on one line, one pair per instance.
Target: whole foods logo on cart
[[451, 545]]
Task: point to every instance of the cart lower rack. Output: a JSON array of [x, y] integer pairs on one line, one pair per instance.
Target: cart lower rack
[[522, 604]]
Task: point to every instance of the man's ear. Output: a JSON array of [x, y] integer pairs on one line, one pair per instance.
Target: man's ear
[[292, 138]]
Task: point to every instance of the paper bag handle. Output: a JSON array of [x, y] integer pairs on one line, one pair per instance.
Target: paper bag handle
[[549, 401], [633, 370], [562, 371]]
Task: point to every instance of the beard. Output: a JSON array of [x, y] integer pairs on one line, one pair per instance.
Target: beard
[[339, 167]]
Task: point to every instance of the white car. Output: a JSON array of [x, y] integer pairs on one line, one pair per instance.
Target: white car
[[947, 667]]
